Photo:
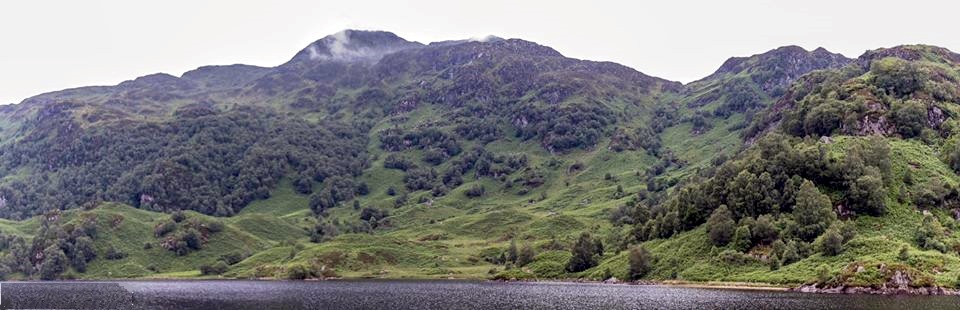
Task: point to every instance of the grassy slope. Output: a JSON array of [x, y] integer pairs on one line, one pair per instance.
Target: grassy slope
[[443, 238], [439, 239]]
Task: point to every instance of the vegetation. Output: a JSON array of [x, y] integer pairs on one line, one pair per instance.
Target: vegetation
[[520, 164]]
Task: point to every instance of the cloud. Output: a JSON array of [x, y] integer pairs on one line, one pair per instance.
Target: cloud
[[339, 48], [486, 38]]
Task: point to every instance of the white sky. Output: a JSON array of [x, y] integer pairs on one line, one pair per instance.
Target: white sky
[[52, 45]]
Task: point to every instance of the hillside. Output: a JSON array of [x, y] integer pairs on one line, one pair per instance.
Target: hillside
[[367, 155]]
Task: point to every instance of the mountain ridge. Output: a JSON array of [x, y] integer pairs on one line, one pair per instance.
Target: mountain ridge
[[338, 37]]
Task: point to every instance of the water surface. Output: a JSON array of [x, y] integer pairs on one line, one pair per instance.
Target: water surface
[[394, 295]]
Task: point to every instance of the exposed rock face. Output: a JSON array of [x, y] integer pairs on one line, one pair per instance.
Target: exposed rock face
[[779, 67], [934, 290], [900, 280], [907, 52]]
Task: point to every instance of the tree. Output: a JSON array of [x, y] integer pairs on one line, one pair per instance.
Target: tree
[[769, 193], [778, 247], [789, 197], [813, 212], [930, 234], [790, 253], [741, 239], [582, 251], [720, 226], [303, 184], [744, 194], [669, 224], [526, 255], [764, 231], [83, 252], [866, 194], [898, 76], [598, 247], [323, 231], [910, 117], [512, 252], [54, 263], [831, 243], [640, 262], [775, 262], [823, 118]]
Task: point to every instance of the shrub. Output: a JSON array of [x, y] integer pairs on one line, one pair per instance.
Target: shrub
[[398, 162], [639, 262], [831, 243], [178, 216], [475, 191], [233, 257], [930, 233], [164, 228], [298, 272], [114, 254], [734, 257], [904, 254], [217, 268]]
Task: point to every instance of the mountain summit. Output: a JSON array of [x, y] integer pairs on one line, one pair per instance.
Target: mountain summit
[[353, 46]]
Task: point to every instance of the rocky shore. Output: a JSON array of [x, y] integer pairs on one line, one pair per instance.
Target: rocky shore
[[884, 290]]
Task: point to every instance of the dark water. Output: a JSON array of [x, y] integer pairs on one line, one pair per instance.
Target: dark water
[[394, 295]]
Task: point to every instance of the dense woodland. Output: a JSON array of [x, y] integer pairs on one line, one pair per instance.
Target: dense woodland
[[203, 159]]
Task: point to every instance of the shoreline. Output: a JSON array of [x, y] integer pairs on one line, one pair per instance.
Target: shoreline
[[743, 286], [717, 285]]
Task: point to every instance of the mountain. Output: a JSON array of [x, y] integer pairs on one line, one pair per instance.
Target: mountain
[[368, 155]]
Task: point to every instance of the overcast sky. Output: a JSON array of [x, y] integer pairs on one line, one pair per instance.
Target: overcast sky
[[52, 45]]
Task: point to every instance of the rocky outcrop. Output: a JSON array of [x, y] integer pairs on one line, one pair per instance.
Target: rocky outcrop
[[908, 52], [900, 280], [778, 68], [933, 290]]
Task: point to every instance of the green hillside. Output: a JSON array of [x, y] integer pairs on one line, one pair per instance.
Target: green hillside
[[496, 159]]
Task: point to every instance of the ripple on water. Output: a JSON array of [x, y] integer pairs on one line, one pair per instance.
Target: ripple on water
[[394, 295]]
